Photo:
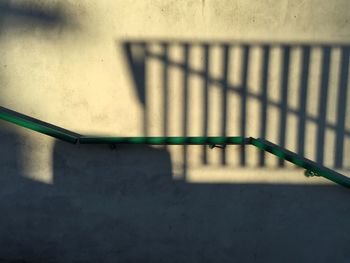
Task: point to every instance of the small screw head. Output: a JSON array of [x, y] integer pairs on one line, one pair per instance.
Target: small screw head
[[309, 173]]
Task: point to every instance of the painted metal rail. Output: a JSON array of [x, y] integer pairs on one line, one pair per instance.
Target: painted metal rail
[[311, 167]]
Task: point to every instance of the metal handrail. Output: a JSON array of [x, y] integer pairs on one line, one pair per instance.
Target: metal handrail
[[311, 167], [38, 125]]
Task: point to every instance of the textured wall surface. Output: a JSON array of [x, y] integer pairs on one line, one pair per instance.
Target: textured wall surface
[[272, 69]]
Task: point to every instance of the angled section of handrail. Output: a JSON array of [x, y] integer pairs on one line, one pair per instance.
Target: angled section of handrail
[[72, 137], [301, 161], [38, 125]]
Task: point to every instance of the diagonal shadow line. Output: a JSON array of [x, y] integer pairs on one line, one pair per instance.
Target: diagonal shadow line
[[237, 90]]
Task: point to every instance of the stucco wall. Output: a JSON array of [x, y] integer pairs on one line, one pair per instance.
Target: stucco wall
[[273, 69]]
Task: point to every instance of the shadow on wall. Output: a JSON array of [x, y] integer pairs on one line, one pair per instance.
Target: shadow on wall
[[31, 15], [123, 205], [15, 188], [292, 94]]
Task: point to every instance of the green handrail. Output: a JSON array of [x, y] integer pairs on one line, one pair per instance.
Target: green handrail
[[38, 125], [164, 140], [294, 158], [68, 136]]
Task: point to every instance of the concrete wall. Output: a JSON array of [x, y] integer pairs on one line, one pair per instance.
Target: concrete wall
[[273, 69]]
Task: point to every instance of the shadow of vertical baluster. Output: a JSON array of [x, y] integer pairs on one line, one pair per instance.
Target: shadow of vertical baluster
[[205, 100], [244, 93], [341, 109], [224, 100], [165, 89], [146, 106], [305, 67], [185, 107], [284, 100], [322, 104], [137, 62], [264, 102]]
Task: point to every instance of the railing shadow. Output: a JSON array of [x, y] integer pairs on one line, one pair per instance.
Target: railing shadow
[[294, 94], [124, 205]]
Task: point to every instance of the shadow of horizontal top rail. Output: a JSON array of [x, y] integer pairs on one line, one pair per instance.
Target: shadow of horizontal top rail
[[72, 137]]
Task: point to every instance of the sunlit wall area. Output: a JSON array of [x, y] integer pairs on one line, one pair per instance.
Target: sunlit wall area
[[272, 70]]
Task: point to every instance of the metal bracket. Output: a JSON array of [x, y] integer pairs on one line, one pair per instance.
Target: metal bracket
[[212, 146], [309, 173]]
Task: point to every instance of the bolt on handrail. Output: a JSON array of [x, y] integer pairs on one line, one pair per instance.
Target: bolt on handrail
[[311, 167]]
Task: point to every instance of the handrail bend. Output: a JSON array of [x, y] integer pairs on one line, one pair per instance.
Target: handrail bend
[[311, 167]]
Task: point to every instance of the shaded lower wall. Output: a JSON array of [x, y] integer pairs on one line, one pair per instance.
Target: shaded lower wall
[[123, 206]]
